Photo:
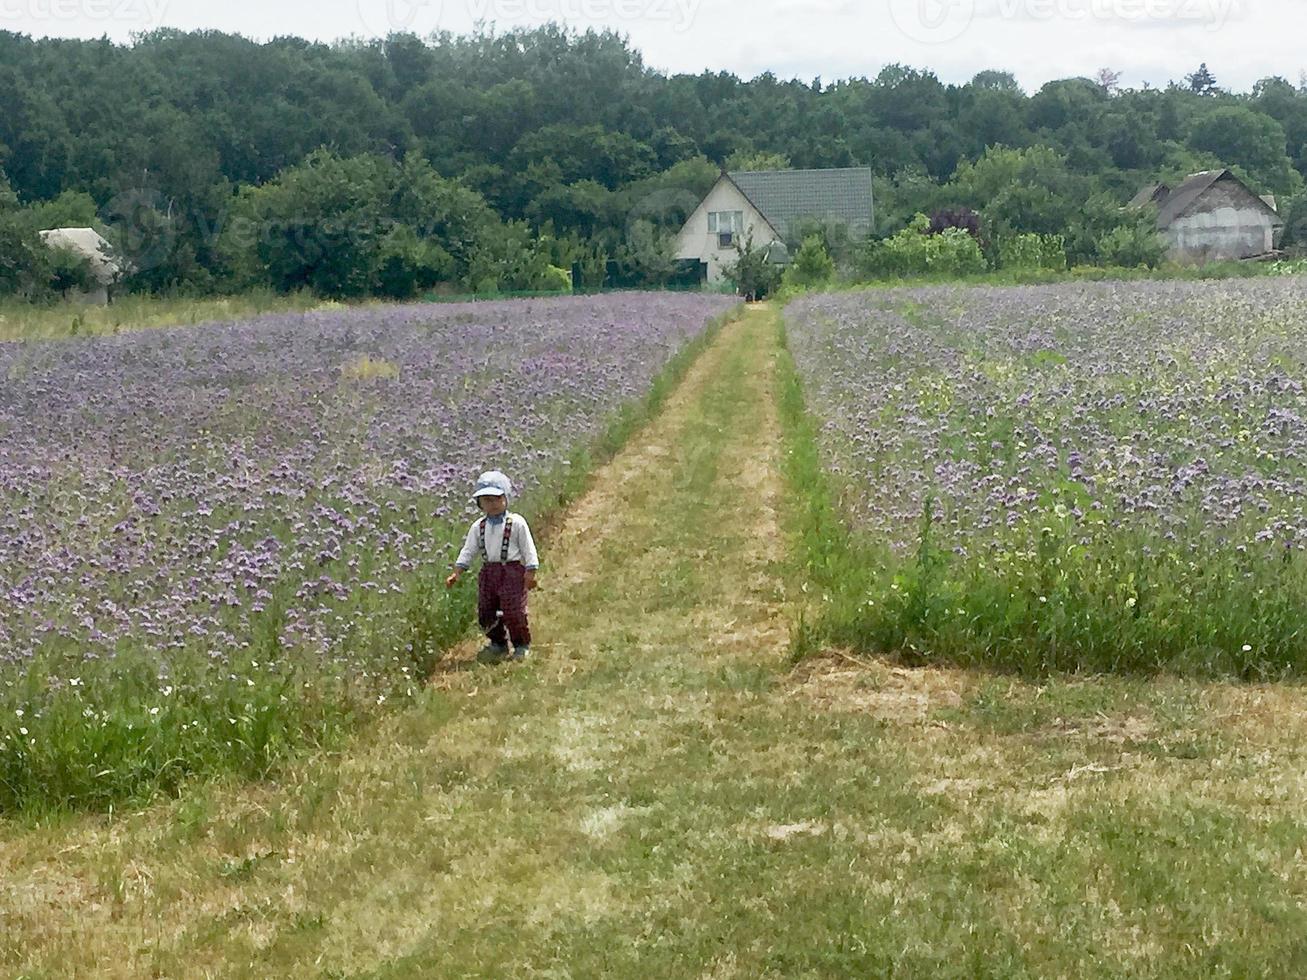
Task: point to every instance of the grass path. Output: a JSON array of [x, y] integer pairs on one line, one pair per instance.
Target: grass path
[[661, 795]]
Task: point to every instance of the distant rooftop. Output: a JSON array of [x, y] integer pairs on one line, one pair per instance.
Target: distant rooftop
[[88, 243], [1173, 203]]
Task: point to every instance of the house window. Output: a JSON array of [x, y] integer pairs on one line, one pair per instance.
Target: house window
[[722, 222], [726, 225]]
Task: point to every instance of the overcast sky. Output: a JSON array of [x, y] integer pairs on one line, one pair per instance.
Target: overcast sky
[[1145, 40]]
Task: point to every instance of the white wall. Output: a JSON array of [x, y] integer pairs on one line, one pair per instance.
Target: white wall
[[1222, 233], [695, 241]]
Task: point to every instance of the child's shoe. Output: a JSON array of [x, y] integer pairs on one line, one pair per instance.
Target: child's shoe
[[520, 654], [493, 653]]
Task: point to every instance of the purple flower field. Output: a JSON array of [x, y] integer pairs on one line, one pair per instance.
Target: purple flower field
[[159, 489], [1116, 466]]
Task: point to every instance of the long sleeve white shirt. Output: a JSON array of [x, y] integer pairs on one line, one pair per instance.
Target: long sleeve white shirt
[[521, 546]]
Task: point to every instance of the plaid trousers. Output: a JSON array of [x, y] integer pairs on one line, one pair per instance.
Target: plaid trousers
[[501, 588]]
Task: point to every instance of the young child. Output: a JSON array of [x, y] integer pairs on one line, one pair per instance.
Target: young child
[[508, 572]]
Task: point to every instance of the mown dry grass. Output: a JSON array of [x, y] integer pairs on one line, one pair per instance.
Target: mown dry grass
[[661, 794], [1115, 827]]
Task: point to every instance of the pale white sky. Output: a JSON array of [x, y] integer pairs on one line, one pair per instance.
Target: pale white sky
[[1146, 40]]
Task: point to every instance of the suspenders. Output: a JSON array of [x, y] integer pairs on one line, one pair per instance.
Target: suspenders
[[508, 536]]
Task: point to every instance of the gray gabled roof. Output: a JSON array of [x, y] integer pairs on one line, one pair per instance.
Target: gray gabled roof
[[787, 197], [1194, 186], [1173, 204]]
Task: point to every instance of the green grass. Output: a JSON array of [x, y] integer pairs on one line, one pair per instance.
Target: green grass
[[125, 735]]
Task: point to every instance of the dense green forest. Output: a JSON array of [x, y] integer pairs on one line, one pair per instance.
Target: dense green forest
[[486, 162]]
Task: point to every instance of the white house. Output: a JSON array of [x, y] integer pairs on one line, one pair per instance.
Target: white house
[[771, 208], [90, 245]]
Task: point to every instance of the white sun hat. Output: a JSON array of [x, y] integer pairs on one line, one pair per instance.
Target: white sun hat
[[493, 484]]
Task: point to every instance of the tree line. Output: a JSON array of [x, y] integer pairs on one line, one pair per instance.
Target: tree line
[[495, 161]]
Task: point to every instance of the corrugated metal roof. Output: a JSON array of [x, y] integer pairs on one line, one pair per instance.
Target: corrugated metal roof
[[787, 197]]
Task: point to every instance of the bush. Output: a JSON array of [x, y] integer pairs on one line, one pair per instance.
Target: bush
[[812, 266], [407, 264], [510, 259], [913, 252], [834, 235], [592, 263], [556, 280], [646, 257], [1132, 246], [1030, 252], [70, 272], [954, 252], [753, 274], [1295, 267]]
